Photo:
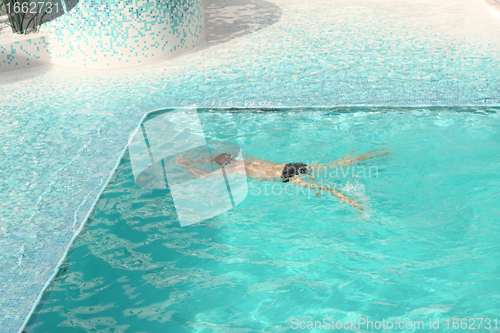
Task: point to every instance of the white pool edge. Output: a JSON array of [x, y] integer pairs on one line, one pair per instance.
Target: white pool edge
[[85, 219]]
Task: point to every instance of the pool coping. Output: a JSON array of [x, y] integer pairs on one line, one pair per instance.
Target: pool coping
[[85, 219]]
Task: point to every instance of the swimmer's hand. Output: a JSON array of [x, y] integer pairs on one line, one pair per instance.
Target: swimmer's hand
[[351, 202], [345, 199], [182, 161]]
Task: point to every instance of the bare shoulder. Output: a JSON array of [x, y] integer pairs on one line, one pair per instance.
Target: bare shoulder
[[297, 180], [239, 168]]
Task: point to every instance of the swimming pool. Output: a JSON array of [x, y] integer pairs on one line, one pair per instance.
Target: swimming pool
[[63, 129], [424, 248]]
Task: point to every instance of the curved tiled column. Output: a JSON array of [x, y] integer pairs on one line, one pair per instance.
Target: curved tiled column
[[121, 33], [26, 51]]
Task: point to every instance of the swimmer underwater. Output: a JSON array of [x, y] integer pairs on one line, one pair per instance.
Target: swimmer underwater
[[285, 172]]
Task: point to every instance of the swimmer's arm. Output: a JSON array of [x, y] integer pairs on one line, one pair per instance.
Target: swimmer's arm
[[201, 174], [297, 180], [256, 159], [196, 172], [184, 161]]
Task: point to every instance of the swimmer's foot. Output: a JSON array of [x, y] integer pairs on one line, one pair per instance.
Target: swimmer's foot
[[370, 155]]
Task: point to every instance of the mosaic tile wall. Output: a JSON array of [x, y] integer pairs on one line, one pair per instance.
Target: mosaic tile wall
[[120, 33], [62, 130], [29, 52]]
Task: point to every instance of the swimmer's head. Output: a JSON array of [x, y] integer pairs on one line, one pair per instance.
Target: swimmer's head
[[224, 159]]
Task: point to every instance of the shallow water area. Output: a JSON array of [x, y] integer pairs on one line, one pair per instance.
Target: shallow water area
[[424, 247]]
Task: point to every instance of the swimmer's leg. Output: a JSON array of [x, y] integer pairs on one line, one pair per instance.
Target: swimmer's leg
[[347, 160], [298, 181]]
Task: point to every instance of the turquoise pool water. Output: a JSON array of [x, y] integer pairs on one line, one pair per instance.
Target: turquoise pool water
[[426, 246]]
